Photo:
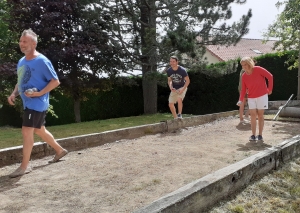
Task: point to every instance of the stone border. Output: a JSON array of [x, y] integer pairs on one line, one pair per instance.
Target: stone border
[[13, 155], [205, 192]]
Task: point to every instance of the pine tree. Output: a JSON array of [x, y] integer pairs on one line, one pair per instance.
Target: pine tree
[[149, 31], [286, 29]]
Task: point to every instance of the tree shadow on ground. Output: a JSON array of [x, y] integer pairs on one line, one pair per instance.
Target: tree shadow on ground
[[253, 145]]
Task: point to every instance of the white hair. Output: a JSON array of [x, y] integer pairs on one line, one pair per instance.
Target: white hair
[[31, 34]]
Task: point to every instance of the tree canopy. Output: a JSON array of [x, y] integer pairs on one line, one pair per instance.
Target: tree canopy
[[8, 57], [85, 39], [286, 29], [77, 44], [149, 31]]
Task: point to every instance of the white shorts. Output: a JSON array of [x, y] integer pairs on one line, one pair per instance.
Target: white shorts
[[258, 103]]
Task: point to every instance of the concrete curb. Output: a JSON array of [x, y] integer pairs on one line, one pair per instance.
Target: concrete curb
[[13, 155], [205, 192]]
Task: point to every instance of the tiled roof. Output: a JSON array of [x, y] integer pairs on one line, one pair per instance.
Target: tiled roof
[[245, 47]]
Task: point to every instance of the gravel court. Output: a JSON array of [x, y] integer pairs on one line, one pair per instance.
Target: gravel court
[[126, 175]]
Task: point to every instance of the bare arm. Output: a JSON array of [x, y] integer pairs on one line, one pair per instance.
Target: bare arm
[[50, 86], [12, 97], [186, 84], [170, 84]]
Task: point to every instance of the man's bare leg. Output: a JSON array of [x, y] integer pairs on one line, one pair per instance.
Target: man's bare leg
[[180, 105], [28, 141], [49, 139], [173, 109]]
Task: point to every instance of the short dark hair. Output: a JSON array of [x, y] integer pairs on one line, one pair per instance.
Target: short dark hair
[[174, 57]]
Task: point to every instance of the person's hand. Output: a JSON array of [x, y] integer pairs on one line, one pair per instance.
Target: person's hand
[[173, 89], [179, 91], [270, 92], [239, 103], [32, 95], [11, 99]]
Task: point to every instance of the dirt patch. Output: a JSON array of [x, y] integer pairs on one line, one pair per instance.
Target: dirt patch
[[126, 175]]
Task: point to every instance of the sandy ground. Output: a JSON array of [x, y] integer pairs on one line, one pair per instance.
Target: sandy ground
[[126, 175]]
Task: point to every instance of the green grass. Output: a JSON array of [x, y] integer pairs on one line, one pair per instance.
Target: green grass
[[10, 137]]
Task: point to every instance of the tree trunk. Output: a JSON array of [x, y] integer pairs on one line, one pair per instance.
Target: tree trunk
[[298, 92], [149, 94], [149, 56], [77, 110]]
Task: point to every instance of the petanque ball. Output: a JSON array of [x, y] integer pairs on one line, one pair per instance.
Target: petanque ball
[[29, 91]]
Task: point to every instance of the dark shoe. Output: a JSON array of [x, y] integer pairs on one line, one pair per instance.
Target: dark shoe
[[252, 138], [19, 172], [259, 138], [179, 116], [57, 157]]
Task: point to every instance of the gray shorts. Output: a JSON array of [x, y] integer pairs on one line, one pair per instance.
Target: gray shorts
[[174, 96], [32, 118]]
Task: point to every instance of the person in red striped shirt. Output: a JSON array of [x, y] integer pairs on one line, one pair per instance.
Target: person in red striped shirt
[[254, 81]]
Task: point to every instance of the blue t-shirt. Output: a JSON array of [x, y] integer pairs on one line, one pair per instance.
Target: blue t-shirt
[[177, 76], [36, 73]]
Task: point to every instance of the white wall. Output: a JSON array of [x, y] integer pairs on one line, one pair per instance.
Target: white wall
[[211, 59]]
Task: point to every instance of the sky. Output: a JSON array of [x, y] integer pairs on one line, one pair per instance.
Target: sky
[[264, 13]]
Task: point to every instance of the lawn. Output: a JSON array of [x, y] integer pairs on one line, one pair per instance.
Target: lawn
[[10, 136]]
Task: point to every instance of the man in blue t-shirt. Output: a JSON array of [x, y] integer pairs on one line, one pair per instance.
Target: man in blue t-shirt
[[178, 81], [36, 78]]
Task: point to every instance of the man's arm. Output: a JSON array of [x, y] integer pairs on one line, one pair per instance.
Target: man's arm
[[171, 84], [12, 97], [186, 84], [50, 86]]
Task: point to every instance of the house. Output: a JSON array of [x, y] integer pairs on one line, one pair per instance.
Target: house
[[245, 47]]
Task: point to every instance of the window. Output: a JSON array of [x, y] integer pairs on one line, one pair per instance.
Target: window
[[256, 51]]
